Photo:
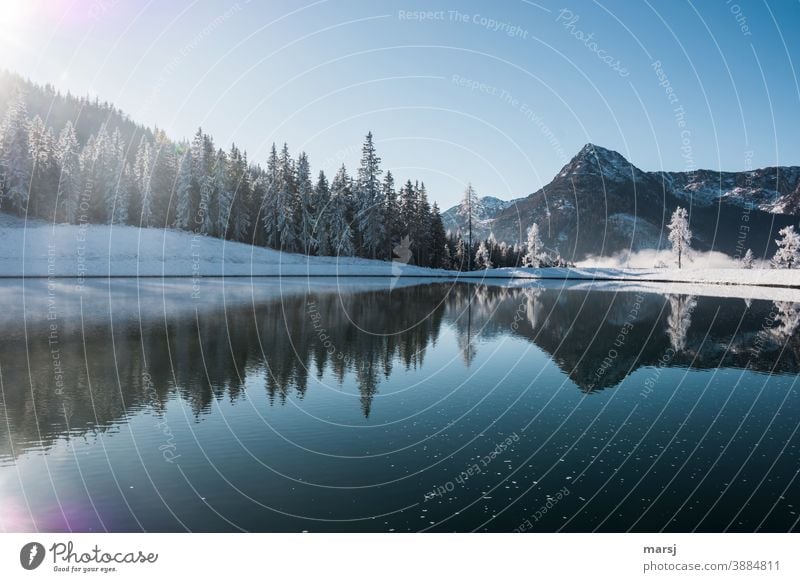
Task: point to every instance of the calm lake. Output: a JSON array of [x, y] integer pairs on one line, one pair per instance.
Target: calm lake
[[372, 405]]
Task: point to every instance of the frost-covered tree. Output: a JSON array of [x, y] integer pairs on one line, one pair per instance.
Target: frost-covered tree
[[269, 208], [142, 209], [69, 179], [469, 210], [113, 168], [242, 192], [41, 148], [15, 161], [460, 256], [322, 215], [482, 257], [125, 190], [183, 191], [203, 161], [305, 195], [391, 214], [788, 254], [369, 201], [223, 197], [286, 202], [341, 235], [533, 247], [679, 234], [407, 209], [747, 260], [159, 204]]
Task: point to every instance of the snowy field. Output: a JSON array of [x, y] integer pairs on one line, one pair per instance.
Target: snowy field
[[40, 249]]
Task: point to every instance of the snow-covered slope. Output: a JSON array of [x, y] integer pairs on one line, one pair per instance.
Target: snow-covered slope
[[40, 249]]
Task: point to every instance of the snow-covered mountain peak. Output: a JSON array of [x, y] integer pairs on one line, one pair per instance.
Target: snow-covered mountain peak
[[595, 160]]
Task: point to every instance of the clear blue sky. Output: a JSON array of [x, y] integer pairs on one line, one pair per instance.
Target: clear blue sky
[[450, 98]]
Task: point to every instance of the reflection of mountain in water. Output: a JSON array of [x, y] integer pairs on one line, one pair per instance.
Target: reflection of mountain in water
[[597, 339]]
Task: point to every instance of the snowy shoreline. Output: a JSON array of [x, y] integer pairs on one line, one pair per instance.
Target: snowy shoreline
[[578, 275], [37, 249]]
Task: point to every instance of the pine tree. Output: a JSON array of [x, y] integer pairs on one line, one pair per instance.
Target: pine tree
[[203, 154], [421, 232], [460, 258], [286, 202], [322, 215], [305, 194], [86, 162], [504, 251], [369, 201], [113, 168], [141, 209], [42, 156], [184, 192], [222, 194], [679, 234], [469, 210], [15, 161], [447, 258], [269, 206], [438, 259], [97, 176], [341, 235], [161, 204], [533, 248], [482, 259], [125, 190], [407, 210], [788, 254], [392, 214], [69, 180], [242, 192]]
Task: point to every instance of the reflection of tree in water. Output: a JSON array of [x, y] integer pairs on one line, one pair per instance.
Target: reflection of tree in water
[[787, 320], [363, 334], [209, 358], [361, 338], [680, 319], [533, 308]]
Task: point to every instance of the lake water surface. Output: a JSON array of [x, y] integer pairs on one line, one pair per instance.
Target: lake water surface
[[368, 405]]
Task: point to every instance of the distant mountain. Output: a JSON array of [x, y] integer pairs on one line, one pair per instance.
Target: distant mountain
[[600, 204]]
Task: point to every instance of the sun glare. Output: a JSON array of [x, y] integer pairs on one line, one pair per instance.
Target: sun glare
[[14, 14]]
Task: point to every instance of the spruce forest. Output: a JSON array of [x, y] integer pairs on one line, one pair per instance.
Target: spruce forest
[[67, 159]]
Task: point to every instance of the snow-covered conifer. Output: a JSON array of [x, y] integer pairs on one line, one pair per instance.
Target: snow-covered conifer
[[369, 201], [533, 247], [15, 160], [788, 254], [679, 234], [482, 257], [341, 235]]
